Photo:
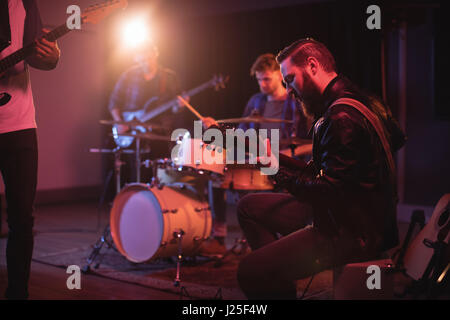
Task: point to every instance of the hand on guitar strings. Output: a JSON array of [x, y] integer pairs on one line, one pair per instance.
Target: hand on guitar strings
[[46, 53]]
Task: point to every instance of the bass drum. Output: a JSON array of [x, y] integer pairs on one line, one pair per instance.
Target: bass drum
[[145, 220]]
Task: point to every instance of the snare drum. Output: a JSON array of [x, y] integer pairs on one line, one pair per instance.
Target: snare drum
[[245, 177], [144, 221], [200, 157]]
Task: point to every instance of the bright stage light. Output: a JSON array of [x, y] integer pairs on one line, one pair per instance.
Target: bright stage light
[[135, 33]]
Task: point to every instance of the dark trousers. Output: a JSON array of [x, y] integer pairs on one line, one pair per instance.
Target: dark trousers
[[18, 166], [284, 247]]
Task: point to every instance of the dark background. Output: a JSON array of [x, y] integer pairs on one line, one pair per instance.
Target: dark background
[[201, 38]]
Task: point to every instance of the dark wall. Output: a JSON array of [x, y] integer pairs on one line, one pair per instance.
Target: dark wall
[[230, 43], [427, 163], [197, 41]]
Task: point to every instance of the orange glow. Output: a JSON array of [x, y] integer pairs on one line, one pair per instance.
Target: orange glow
[[136, 32]]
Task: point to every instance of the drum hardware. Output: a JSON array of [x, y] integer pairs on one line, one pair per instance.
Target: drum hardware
[[105, 237], [240, 247], [179, 236]]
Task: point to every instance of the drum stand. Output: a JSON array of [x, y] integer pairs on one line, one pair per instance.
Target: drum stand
[[177, 282], [105, 238], [179, 236]]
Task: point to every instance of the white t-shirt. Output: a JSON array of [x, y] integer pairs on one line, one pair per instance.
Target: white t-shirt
[[18, 113]]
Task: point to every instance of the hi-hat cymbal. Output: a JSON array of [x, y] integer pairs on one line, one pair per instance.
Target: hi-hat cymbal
[[145, 136], [132, 123], [255, 119]]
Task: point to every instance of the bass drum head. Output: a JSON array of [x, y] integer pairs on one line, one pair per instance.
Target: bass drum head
[[137, 224]]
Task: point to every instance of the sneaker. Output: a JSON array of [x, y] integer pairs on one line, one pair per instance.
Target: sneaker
[[212, 247]]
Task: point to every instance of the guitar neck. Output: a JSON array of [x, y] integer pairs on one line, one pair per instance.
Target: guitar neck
[[166, 106], [22, 54]]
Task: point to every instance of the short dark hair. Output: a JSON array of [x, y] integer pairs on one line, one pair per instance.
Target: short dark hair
[[301, 49], [264, 62]]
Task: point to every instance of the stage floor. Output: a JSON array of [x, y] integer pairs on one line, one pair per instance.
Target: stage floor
[[61, 229]]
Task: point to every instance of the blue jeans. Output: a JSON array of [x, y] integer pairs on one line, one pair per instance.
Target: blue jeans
[[18, 166]]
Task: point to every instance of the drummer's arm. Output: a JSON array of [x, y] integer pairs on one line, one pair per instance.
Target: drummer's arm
[[116, 114]]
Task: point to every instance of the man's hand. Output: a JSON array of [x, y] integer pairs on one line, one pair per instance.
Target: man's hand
[[46, 54], [122, 129], [208, 122]]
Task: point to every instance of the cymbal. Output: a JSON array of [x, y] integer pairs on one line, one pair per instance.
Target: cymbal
[[145, 136], [132, 123], [255, 119]]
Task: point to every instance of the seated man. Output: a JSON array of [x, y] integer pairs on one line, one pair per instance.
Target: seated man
[[347, 190]]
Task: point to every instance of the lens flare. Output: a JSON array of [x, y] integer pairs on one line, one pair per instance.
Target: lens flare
[[135, 33]]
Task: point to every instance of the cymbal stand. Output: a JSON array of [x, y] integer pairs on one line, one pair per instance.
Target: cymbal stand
[[105, 238], [179, 236], [177, 282], [138, 160]]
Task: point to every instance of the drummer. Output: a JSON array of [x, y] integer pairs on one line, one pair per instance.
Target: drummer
[[271, 102]]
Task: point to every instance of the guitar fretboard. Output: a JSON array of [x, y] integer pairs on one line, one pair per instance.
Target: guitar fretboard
[[21, 54], [153, 113]]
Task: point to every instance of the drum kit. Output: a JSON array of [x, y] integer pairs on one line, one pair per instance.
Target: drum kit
[[170, 216]]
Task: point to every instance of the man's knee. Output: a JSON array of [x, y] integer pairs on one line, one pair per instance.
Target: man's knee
[[244, 206]]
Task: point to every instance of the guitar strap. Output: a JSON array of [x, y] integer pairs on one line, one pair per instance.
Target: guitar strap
[[376, 124]]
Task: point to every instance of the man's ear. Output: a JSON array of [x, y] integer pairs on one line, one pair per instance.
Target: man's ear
[[312, 65]]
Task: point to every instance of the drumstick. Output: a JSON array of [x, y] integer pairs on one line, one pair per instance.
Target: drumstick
[[191, 108]]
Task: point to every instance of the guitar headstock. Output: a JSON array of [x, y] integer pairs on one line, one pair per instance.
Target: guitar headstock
[[219, 81], [97, 12]]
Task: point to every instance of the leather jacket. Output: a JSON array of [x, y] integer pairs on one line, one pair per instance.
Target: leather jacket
[[348, 182]]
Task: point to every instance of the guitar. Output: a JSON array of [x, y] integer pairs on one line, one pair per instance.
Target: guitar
[[420, 252], [147, 112], [93, 14], [288, 171]]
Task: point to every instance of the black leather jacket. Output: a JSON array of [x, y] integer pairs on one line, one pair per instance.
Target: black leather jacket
[[348, 182]]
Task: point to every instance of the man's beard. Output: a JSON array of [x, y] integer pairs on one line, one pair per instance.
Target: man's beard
[[311, 98]]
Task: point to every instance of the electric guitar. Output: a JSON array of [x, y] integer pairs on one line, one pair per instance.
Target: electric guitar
[[150, 111], [93, 14]]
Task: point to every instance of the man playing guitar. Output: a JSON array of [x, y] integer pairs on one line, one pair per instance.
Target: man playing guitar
[[18, 141]]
